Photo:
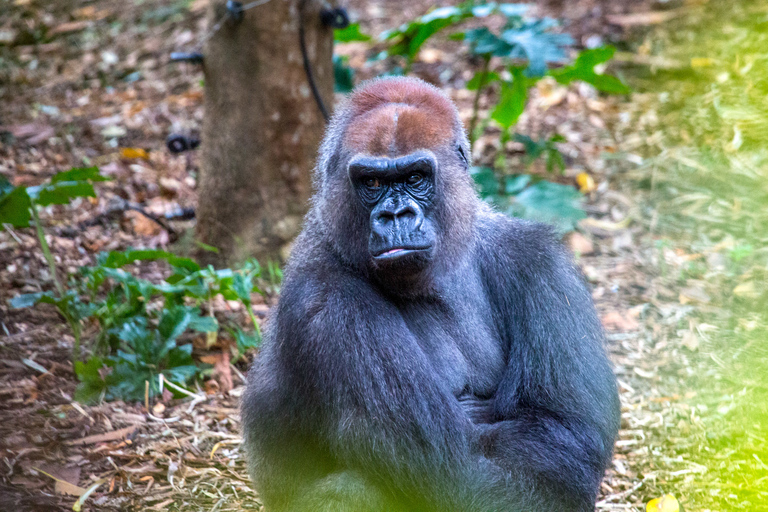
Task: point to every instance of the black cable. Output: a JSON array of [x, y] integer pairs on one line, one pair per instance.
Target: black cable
[[308, 66]]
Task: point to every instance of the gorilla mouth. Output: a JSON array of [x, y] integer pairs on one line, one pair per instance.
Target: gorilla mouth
[[396, 253]]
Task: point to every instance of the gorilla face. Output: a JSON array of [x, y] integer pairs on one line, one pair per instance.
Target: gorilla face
[[398, 194]]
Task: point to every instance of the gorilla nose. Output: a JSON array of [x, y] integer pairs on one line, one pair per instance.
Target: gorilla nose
[[396, 213]]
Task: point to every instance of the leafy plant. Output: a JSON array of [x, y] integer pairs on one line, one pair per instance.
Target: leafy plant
[[543, 148], [350, 33], [148, 352], [141, 322], [344, 76], [528, 197], [406, 40], [18, 206], [583, 68], [342, 73]]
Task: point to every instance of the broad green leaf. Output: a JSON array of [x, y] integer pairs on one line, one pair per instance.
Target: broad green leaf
[[343, 75], [350, 33], [174, 322], [117, 259], [607, 83], [79, 174], [590, 58], [583, 69], [556, 204], [61, 192], [539, 47], [244, 340], [514, 184], [512, 102], [204, 324], [135, 332], [14, 208], [5, 186], [26, 300], [486, 181], [482, 79], [243, 287], [484, 42]]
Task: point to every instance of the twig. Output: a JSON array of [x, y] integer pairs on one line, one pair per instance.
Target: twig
[[178, 388]]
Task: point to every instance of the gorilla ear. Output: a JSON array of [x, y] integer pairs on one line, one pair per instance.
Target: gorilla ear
[[462, 154]]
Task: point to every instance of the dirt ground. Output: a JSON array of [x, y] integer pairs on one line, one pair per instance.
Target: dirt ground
[[101, 80]]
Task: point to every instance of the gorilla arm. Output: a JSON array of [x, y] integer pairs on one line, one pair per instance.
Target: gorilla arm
[[556, 409], [361, 387]]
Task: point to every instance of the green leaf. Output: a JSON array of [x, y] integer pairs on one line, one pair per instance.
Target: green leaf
[[174, 322], [244, 340], [5, 186], [207, 247], [515, 184], [79, 174], [409, 38], [556, 204], [61, 192], [92, 384], [350, 33], [512, 102], [14, 207], [135, 333], [117, 259], [607, 83], [531, 41], [486, 181], [482, 79], [26, 300], [344, 76], [583, 69], [204, 323]]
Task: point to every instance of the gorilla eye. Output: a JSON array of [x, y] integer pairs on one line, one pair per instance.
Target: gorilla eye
[[415, 178], [371, 183]]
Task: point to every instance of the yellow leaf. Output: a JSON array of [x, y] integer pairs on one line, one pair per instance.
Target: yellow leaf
[[586, 183], [134, 153], [666, 503], [701, 62], [747, 290]]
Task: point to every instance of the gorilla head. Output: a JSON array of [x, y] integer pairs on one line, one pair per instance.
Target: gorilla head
[[395, 196]]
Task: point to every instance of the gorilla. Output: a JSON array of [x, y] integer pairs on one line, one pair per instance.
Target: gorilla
[[426, 353]]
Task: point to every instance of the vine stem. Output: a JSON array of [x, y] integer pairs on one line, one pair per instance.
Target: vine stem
[[476, 102]]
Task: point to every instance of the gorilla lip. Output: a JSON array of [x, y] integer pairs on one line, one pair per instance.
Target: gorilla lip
[[398, 252]]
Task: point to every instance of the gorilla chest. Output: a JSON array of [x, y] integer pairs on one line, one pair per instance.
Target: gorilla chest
[[465, 353]]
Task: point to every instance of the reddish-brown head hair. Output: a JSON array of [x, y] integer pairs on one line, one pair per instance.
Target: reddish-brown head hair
[[398, 116]]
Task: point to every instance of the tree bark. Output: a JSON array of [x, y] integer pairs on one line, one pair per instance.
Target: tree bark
[[261, 129]]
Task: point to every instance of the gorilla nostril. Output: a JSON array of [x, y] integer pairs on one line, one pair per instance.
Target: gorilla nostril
[[385, 217], [405, 211]]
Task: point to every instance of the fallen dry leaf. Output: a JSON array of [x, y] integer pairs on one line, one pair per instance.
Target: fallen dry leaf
[[643, 18], [586, 183], [580, 244], [666, 503], [134, 153], [615, 321], [101, 438]]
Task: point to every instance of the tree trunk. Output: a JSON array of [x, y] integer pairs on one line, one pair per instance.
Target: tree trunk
[[261, 129]]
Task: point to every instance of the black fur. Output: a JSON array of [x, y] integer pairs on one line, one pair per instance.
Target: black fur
[[481, 386]]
